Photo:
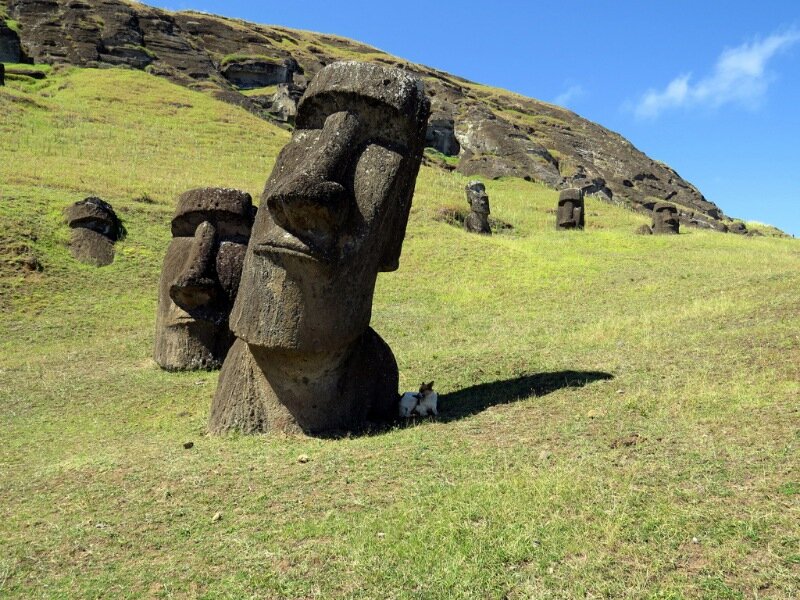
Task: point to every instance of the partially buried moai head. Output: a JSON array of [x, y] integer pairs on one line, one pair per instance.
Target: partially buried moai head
[[665, 219], [477, 220], [477, 197], [570, 213], [95, 229], [200, 278], [334, 210]]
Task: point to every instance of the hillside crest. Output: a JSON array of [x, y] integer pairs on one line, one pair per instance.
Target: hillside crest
[[474, 129]]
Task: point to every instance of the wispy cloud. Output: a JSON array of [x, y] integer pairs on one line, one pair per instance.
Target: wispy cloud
[[568, 95], [739, 76]]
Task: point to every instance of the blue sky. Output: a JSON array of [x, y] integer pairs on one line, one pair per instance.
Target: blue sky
[[711, 88]]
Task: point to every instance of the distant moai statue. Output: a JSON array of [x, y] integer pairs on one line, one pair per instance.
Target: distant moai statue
[[477, 220], [200, 278], [665, 219], [570, 209], [95, 229]]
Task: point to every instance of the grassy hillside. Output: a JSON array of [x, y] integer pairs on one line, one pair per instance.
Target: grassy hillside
[[619, 414]]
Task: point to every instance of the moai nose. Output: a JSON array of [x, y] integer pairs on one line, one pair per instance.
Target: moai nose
[[312, 203], [196, 284]]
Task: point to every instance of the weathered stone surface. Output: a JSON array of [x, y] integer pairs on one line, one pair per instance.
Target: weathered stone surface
[[571, 210], [440, 135], [283, 105], [10, 49], [95, 228], [333, 214], [737, 227], [24, 72], [493, 147], [477, 221], [200, 278], [644, 230], [251, 73], [665, 219]]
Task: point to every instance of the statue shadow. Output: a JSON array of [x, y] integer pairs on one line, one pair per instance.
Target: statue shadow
[[477, 398]]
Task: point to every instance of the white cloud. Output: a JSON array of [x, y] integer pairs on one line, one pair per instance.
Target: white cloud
[[568, 95], [740, 76]]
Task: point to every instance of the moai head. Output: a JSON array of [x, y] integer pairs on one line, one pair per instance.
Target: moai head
[[665, 218], [334, 210], [477, 220], [570, 209], [200, 278], [477, 197], [95, 228]]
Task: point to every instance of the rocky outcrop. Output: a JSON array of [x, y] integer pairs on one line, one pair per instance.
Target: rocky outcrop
[[494, 133], [283, 105], [441, 135], [10, 48], [251, 73]]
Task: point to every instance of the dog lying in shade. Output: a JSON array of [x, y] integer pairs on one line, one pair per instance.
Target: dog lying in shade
[[422, 403]]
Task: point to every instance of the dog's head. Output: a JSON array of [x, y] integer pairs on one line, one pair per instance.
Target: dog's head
[[426, 388]]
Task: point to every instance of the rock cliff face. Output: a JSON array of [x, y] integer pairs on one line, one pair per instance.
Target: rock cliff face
[[495, 133]]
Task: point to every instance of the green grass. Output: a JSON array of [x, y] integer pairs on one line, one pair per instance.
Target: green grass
[[550, 349], [268, 90]]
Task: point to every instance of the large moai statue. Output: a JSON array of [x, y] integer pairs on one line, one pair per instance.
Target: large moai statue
[[665, 219], [477, 220], [200, 278], [95, 229], [570, 214], [333, 214]]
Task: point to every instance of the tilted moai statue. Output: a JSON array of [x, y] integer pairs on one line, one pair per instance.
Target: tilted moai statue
[[570, 213], [665, 219], [200, 278], [95, 229], [333, 214], [477, 220]]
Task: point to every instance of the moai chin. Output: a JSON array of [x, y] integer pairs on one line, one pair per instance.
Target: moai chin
[[665, 219], [333, 214], [200, 278], [95, 229], [477, 220], [570, 213]]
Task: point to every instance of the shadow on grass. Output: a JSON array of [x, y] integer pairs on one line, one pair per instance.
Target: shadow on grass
[[477, 398]]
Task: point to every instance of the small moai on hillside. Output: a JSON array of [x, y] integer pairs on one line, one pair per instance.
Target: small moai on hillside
[[570, 214], [332, 216], [665, 219], [737, 227], [200, 278], [477, 220], [95, 229]]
